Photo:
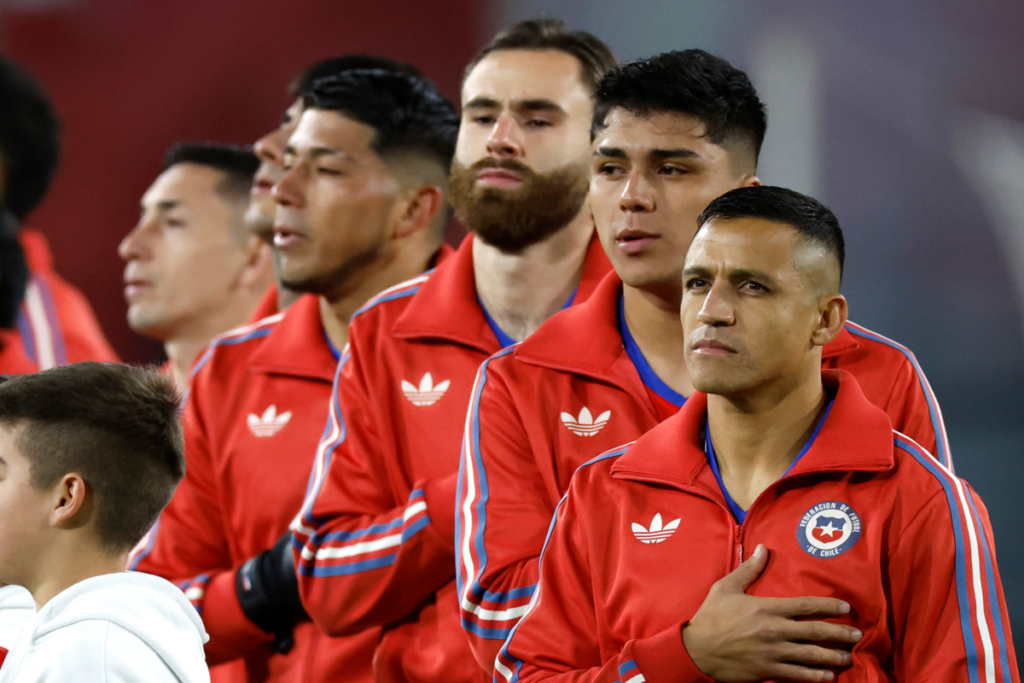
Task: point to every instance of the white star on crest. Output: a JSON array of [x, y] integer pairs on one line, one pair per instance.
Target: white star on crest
[[828, 530]]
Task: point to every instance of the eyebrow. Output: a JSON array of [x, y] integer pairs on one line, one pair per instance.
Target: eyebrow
[[164, 205], [539, 104], [737, 274], [316, 152]]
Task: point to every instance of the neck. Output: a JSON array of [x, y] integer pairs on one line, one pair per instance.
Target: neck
[[653, 320], [337, 309], [758, 435], [182, 352], [522, 290], [65, 569]]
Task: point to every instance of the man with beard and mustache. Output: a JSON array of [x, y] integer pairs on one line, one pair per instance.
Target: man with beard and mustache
[[672, 133], [376, 534], [270, 149], [361, 207]]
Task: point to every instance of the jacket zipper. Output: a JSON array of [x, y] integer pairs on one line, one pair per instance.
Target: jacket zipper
[[737, 545]]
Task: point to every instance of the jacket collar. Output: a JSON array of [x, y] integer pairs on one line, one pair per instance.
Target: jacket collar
[[583, 339], [297, 345], [446, 305], [856, 436]]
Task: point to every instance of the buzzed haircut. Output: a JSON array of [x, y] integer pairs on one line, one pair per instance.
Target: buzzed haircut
[[806, 215], [29, 139], [115, 425], [408, 114], [14, 273], [689, 82], [238, 164], [335, 65], [594, 56]]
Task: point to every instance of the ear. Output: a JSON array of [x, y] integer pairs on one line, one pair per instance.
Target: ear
[[71, 503], [750, 180], [834, 311], [417, 210]]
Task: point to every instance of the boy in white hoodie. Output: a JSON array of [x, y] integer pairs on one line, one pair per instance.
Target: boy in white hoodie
[[90, 454]]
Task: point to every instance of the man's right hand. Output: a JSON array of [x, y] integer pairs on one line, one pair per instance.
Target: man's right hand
[[735, 637]]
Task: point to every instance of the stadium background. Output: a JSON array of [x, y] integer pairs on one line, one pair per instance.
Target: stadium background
[[907, 119]]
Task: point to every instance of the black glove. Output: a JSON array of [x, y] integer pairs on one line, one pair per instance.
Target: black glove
[[268, 591], [13, 270]]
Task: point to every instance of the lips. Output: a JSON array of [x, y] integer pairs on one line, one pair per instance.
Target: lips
[[133, 287], [633, 241], [712, 347], [285, 237], [499, 177]]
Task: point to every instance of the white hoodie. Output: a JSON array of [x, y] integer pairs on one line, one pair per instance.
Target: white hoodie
[[116, 628], [16, 607]]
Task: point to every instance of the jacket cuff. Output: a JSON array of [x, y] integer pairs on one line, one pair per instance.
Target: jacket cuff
[[440, 496], [232, 635], [663, 658]]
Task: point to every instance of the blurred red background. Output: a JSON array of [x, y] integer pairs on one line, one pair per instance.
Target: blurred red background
[[131, 78]]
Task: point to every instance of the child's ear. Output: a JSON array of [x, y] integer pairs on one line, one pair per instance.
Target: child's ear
[[72, 502]]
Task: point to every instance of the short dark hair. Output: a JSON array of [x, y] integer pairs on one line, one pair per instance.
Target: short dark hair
[[29, 139], [806, 215], [303, 82], [13, 270], [115, 425], [688, 82], [407, 113], [594, 56], [238, 164]]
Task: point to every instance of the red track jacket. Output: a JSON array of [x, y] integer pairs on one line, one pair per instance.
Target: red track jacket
[[255, 413], [865, 515], [56, 323], [13, 359], [569, 393], [375, 540]]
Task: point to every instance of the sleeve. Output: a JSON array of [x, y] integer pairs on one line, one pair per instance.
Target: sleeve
[[188, 545], [949, 618], [503, 516], [364, 557], [915, 411], [558, 638]]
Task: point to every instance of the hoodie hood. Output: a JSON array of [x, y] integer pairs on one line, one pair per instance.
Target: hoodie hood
[[147, 606], [16, 607]]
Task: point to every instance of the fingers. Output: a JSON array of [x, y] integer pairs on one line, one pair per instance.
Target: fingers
[[807, 606], [746, 573], [795, 672], [791, 631], [813, 655]]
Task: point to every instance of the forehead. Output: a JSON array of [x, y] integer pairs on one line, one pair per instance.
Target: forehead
[[638, 134], [187, 183], [510, 75], [746, 243], [333, 130]]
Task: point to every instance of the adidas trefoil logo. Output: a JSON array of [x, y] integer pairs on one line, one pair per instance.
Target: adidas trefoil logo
[[427, 394], [269, 423], [657, 533], [585, 424]]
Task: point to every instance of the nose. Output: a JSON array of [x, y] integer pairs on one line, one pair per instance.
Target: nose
[[717, 309], [289, 192], [270, 147], [637, 195], [504, 141], [133, 245]]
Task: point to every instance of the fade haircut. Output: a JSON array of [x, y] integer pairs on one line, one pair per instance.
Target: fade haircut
[[689, 82], [115, 425], [407, 113], [238, 164], [594, 56], [29, 139], [335, 65], [809, 217]]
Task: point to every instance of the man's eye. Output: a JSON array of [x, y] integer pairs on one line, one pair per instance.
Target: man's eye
[[175, 222], [328, 171], [696, 283], [538, 123], [671, 171], [755, 286], [609, 169], [483, 120]]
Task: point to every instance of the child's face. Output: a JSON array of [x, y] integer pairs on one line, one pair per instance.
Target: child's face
[[24, 514]]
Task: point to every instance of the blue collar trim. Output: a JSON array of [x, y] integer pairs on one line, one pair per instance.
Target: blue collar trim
[[650, 379], [709, 450]]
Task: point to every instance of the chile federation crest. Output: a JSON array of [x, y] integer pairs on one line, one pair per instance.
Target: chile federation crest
[[828, 529]]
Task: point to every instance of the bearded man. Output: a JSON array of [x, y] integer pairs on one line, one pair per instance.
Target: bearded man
[[376, 535]]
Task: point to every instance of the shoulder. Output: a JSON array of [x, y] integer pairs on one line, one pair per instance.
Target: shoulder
[[595, 476], [881, 349], [386, 307], [923, 478], [128, 657], [239, 342]]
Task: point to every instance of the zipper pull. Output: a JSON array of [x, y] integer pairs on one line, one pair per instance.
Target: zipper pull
[[739, 545]]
